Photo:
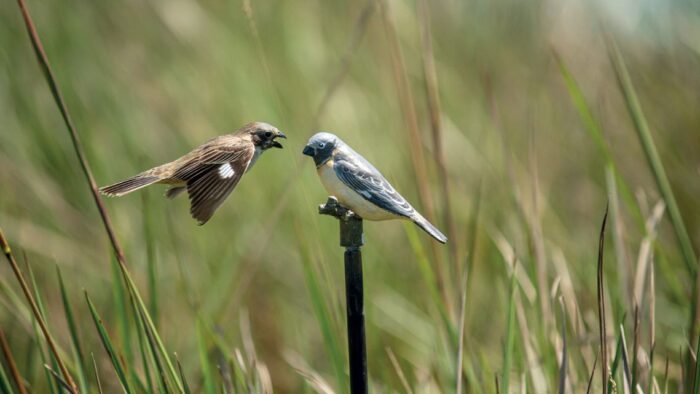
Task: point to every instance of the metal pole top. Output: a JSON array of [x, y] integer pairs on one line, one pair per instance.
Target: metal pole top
[[351, 234]]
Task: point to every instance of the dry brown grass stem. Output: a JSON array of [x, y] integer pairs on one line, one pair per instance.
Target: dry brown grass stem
[[19, 382], [43, 61], [399, 371], [537, 235], [4, 245], [407, 103], [434, 109]]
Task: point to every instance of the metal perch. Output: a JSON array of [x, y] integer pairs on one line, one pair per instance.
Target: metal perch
[[352, 238]]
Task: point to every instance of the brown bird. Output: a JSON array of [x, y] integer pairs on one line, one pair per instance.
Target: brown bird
[[209, 172]]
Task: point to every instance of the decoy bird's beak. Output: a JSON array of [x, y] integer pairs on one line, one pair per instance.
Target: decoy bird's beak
[[309, 151]]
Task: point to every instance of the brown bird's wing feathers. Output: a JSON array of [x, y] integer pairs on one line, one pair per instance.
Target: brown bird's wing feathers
[[212, 173]]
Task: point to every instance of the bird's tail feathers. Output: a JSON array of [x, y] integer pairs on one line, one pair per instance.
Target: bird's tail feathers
[[424, 224], [129, 185]]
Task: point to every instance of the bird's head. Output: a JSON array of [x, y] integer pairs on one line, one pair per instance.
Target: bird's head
[[263, 135], [320, 147]]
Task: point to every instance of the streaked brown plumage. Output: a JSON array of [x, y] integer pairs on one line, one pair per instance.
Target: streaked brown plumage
[[209, 172]]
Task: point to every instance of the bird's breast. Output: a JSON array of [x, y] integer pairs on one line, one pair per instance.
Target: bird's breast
[[258, 152], [350, 198]]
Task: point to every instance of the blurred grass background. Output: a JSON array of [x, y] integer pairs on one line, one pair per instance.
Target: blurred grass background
[[147, 81]]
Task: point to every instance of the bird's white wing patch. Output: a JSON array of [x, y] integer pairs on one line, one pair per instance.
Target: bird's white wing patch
[[226, 171]]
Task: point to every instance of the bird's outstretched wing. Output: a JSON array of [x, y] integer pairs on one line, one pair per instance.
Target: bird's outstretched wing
[[212, 174], [372, 186]]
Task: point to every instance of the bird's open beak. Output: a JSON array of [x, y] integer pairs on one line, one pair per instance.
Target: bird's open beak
[[277, 144], [309, 151]]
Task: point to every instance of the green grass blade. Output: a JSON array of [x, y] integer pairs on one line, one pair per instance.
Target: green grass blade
[[615, 363], [595, 132], [120, 301], [53, 386], [431, 281], [5, 386], [510, 333], [107, 343], [696, 383], [153, 333], [185, 385], [74, 335], [323, 316], [97, 375], [207, 375], [152, 271], [653, 159], [152, 347]]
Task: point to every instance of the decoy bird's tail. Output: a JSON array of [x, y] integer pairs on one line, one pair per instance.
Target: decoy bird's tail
[[127, 186], [429, 228]]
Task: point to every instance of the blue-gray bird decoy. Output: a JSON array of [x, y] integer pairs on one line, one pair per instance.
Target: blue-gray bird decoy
[[359, 186]]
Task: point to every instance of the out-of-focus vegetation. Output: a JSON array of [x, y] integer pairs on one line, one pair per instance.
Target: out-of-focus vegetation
[[542, 113]]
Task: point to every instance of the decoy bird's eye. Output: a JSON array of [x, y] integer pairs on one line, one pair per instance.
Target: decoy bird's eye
[[268, 134]]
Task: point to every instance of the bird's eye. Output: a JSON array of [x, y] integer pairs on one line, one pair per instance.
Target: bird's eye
[[321, 145], [268, 134]]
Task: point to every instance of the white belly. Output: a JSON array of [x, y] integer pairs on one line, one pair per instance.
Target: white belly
[[350, 198]]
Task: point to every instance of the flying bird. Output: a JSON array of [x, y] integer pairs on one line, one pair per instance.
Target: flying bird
[[359, 186], [209, 172]]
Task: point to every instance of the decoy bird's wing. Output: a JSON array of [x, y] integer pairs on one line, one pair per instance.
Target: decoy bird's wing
[[372, 186], [212, 178]]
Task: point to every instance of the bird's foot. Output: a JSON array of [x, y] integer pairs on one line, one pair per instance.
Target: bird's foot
[[333, 208]]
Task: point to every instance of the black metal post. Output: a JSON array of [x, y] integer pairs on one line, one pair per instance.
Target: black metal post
[[352, 238]]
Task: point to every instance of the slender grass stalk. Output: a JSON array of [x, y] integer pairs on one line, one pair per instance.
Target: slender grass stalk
[[510, 331], [74, 334], [323, 317], [152, 271], [399, 372], [140, 332], [460, 346], [434, 110], [5, 385], [635, 348], [4, 245], [619, 354], [107, 343], [595, 132], [82, 158], [590, 379], [182, 376], [652, 155], [207, 374], [429, 277], [657, 168], [19, 382], [652, 324], [97, 375], [696, 375], [601, 307], [55, 385], [564, 356], [407, 103], [60, 382], [162, 374], [626, 370]]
